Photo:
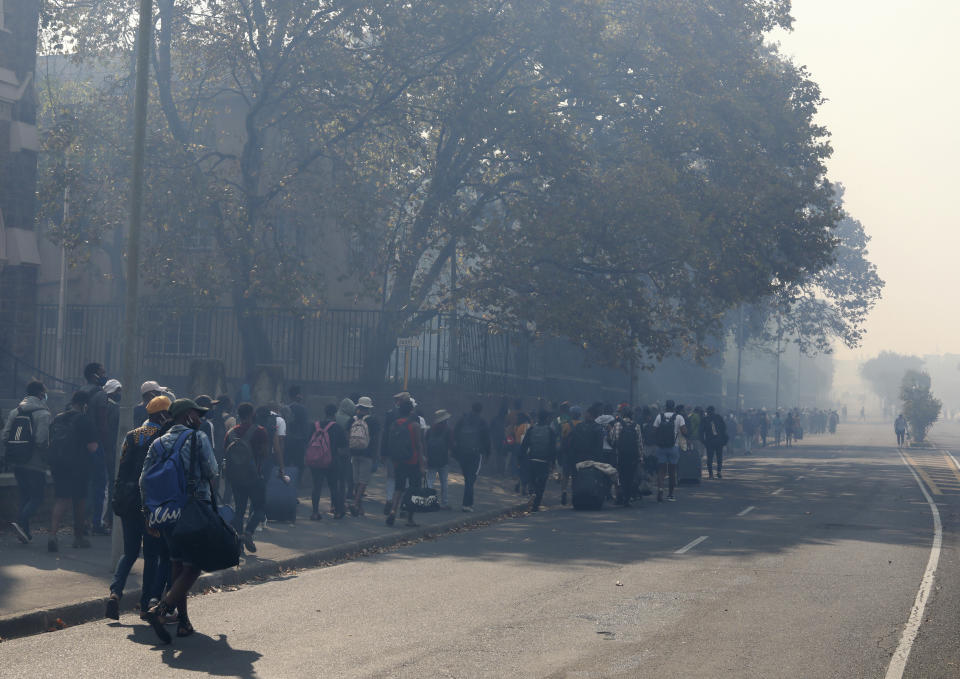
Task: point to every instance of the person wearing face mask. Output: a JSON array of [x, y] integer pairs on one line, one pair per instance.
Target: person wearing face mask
[[28, 467], [187, 421], [126, 504]]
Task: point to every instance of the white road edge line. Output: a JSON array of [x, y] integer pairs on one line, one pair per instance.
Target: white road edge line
[[746, 511], [898, 662], [777, 491], [693, 543]]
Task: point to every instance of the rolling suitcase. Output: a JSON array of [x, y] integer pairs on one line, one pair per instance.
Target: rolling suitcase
[[690, 468], [590, 488], [281, 504]]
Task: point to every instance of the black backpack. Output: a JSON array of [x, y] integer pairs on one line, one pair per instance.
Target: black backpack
[[241, 463], [539, 442], [628, 443], [438, 451], [401, 447], [468, 437], [20, 441], [666, 431], [61, 437]]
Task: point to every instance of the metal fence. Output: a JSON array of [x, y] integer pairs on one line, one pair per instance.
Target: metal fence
[[331, 347]]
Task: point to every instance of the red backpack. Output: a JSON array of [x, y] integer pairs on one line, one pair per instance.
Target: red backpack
[[318, 453]]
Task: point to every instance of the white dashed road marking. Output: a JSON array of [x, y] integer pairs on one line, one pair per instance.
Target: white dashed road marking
[[777, 491], [746, 511], [693, 543]]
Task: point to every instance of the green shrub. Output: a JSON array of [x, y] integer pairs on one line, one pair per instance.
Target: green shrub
[[919, 406]]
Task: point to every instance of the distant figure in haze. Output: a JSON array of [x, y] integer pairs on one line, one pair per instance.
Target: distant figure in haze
[[900, 427], [863, 414]]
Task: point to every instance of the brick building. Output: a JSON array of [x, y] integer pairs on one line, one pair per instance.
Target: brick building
[[19, 255]]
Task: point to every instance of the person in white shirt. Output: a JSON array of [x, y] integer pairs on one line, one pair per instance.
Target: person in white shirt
[[668, 427]]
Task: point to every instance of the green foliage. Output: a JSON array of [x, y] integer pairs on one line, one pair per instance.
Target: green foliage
[[621, 174], [919, 406], [884, 373]]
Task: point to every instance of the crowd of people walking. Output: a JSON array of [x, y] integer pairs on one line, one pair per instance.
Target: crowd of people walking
[[248, 463]]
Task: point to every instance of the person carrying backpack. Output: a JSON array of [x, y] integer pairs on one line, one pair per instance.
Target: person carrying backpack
[[627, 441], [406, 451], [471, 443], [26, 435], [439, 447], [168, 458], [245, 465], [363, 439], [127, 505], [539, 449], [321, 458], [714, 431], [73, 442], [668, 427]]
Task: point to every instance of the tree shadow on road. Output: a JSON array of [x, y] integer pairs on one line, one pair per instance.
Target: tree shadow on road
[[201, 653]]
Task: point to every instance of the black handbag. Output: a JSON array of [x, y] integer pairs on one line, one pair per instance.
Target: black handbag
[[421, 500], [201, 534]]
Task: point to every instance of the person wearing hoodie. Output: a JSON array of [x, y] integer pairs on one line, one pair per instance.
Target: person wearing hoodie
[[31, 474]]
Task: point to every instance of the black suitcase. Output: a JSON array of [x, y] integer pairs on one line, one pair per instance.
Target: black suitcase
[[690, 468], [590, 488], [281, 504]]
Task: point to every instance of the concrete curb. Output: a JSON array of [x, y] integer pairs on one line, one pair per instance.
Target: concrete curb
[[71, 614]]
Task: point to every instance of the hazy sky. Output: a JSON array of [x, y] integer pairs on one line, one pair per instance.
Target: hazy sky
[[891, 73]]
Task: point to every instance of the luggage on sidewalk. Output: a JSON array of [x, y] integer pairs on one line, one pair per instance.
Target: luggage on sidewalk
[[590, 488], [421, 500], [281, 504], [690, 468]]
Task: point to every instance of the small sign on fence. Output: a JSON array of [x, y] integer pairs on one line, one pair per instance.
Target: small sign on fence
[[408, 342]]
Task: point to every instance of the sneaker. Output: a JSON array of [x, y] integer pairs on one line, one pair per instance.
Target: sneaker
[[315, 517], [21, 534], [468, 509], [81, 543], [53, 545], [671, 498], [387, 506], [391, 518], [248, 543], [659, 496], [563, 498], [113, 608]]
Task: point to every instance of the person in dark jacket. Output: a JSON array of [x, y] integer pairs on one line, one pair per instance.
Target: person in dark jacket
[[388, 419], [73, 441], [471, 443], [714, 433], [127, 505], [539, 451], [31, 474]]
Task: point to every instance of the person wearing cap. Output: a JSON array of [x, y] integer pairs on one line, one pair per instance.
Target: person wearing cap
[[149, 390], [439, 447], [126, 504], [388, 419], [363, 428], [186, 416]]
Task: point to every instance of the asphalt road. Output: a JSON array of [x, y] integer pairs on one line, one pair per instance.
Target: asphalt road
[[816, 580]]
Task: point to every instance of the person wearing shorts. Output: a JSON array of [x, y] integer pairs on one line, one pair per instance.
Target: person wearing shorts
[[668, 456], [361, 459]]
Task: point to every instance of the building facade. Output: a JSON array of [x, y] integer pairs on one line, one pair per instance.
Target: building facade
[[19, 145]]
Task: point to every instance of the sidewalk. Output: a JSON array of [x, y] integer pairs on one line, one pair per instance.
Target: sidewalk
[[37, 587]]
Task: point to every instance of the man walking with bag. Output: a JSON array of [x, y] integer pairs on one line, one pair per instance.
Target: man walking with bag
[[26, 436], [198, 465]]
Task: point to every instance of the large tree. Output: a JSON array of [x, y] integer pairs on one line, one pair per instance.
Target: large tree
[[620, 174]]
